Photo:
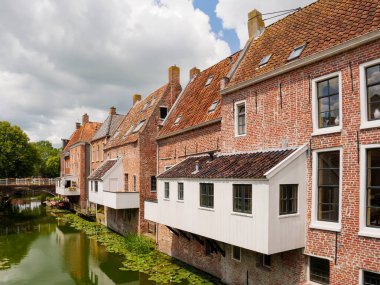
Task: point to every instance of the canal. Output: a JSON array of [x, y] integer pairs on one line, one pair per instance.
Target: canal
[[36, 248]]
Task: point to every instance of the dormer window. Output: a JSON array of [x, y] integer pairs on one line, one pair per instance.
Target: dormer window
[[265, 60], [209, 80], [178, 120], [213, 106], [163, 112], [139, 126], [296, 52]]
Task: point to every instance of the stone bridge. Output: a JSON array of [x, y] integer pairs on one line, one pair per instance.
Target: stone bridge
[[26, 190]]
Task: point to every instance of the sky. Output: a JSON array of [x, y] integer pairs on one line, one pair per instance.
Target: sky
[[61, 59]]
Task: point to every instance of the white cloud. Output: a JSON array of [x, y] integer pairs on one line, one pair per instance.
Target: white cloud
[[234, 14], [61, 59]]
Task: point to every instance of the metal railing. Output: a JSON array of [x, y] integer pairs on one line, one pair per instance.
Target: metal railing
[[27, 181]]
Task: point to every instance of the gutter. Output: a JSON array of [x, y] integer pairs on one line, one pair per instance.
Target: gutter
[[353, 43], [214, 121]]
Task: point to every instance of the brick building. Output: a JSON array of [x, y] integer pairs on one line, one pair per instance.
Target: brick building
[[293, 195], [75, 163], [127, 177]]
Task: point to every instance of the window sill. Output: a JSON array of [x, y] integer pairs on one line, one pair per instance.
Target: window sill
[[369, 232], [242, 214], [289, 216], [326, 131], [180, 201], [239, 136], [166, 199], [370, 124], [327, 226], [206, 209]]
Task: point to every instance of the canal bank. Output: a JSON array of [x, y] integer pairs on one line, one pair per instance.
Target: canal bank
[[46, 247]]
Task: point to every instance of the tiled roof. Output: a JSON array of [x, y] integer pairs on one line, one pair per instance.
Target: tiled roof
[[321, 25], [141, 111], [108, 127], [102, 169], [245, 165], [84, 134], [195, 101]]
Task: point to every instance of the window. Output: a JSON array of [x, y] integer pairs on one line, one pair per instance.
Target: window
[[267, 260], [97, 153], [209, 80], [373, 188], [92, 186], [145, 106], [102, 153], [296, 52], [153, 184], [328, 186], [163, 112], [240, 126], [319, 270], [134, 183], [242, 198], [213, 106], [265, 59], [115, 135], [371, 278], [126, 182], [178, 120], [96, 186], [207, 195], [180, 191], [152, 102], [129, 131], [167, 190], [236, 253], [139, 126], [167, 167], [288, 199]]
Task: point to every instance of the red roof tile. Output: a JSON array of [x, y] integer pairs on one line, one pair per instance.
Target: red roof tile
[[195, 101], [102, 169], [83, 134], [245, 165], [321, 25]]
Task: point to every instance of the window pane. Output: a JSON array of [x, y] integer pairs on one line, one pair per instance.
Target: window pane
[[373, 74], [319, 270], [371, 278], [328, 177], [324, 104], [236, 252], [328, 159], [323, 88], [288, 202], [334, 86]]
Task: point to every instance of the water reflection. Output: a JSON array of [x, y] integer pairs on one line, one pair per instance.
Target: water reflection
[[42, 251]]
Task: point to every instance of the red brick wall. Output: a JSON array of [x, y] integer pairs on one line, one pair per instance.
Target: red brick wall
[[269, 126]]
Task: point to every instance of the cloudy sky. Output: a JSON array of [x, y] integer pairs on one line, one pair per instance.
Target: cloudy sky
[[61, 59]]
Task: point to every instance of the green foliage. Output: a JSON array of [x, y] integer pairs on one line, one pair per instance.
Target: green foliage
[[48, 159], [141, 255], [17, 156]]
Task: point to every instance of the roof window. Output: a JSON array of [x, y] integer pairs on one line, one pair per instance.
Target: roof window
[[115, 135], [178, 120], [213, 106], [139, 126], [129, 131], [145, 106], [209, 80], [152, 102], [296, 52], [265, 59]]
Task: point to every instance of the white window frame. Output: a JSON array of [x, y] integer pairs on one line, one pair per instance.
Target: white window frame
[[323, 225], [361, 275], [236, 122], [365, 124], [314, 91], [364, 230]]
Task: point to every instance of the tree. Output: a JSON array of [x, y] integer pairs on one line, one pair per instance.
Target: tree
[[52, 166], [17, 156], [46, 151]]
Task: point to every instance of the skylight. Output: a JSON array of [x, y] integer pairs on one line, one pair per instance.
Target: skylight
[[178, 120], [129, 131], [265, 59], [146, 105], [152, 102], [209, 80], [115, 135], [213, 106], [296, 52], [139, 126]]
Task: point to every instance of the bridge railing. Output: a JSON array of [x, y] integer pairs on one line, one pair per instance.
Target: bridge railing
[[28, 181]]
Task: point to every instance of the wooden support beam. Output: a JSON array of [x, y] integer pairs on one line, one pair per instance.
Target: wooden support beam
[[184, 235]]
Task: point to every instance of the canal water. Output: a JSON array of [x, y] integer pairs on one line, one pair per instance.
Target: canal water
[[35, 249]]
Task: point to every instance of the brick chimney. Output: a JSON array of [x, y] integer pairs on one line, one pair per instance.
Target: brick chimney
[[255, 24], [174, 74], [85, 119], [174, 81], [77, 125], [193, 72], [136, 98], [112, 110]]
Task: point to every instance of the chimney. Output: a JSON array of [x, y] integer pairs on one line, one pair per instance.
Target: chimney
[[85, 119], [136, 98], [174, 74], [193, 72], [77, 125], [255, 24], [64, 143], [223, 82], [112, 111]]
